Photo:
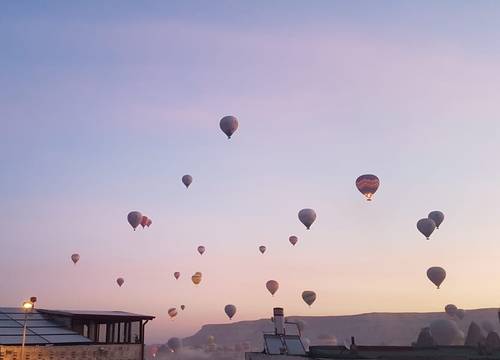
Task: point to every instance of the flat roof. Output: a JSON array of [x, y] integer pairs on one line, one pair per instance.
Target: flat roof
[[40, 329], [111, 316]]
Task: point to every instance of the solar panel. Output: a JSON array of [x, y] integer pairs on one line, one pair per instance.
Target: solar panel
[[59, 339], [17, 339], [9, 323], [31, 316], [294, 345], [274, 345], [13, 331], [53, 330]]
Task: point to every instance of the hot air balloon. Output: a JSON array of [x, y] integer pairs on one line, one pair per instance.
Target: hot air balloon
[[144, 221], [230, 310], [293, 239], [174, 344], [426, 226], [148, 224], [437, 217], [367, 185], [436, 275], [196, 278], [75, 258], [172, 312], [450, 309], [187, 180], [183, 307], [272, 286], [201, 249], [229, 124], [134, 219], [307, 217], [446, 332], [309, 297], [262, 249], [460, 313], [177, 275], [120, 281]]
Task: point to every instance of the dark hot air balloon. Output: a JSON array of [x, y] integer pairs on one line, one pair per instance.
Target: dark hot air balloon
[[436, 275], [307, 217], [367, 185], [426, 226], [229, 124], [134, 219]]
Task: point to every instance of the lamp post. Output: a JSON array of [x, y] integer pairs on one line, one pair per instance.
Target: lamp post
[[27, 306]]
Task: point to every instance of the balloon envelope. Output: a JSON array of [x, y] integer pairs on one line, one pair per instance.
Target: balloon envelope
[[230, 310], [272, 286], [436, 275], [174, 344], [120, 281], [149, 222], [228, 124], [450, 309], [196, 278], [177, 275], [183, 307], [201, 249], [262, 249], [172, 312], [437, 217], [445, 332], [144, 221], [187, 180], [75, 258], [309, 297], [367, 184], [426, 226], [134, 219], [307, 217], [293, 239]]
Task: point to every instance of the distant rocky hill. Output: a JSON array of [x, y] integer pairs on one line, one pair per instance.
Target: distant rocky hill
[[368, 329]]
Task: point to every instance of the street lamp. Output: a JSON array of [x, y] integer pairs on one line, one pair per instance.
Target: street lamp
[[27, 306]]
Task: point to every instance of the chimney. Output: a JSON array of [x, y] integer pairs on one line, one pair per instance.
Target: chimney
[[279, 321]]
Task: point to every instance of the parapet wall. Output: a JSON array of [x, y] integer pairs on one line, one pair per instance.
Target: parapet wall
[[74, 352]]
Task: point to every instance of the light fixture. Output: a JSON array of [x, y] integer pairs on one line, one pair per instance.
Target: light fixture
[[27, 305]]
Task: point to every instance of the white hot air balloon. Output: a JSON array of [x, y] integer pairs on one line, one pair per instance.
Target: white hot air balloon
[[307, 217], [272, 286], [75, 258], [230, 310], [228, 124]]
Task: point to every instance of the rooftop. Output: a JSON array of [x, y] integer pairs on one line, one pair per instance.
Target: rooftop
[[54, 327]]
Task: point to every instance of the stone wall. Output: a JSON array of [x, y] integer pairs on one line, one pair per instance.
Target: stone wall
[[75, 352]]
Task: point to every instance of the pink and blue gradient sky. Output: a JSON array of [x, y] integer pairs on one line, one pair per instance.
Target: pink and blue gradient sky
[[104, 106]]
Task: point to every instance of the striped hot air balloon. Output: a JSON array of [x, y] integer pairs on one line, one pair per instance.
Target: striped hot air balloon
[[367, 185]]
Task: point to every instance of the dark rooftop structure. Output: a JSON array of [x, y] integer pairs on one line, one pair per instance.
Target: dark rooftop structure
[[55, 327]]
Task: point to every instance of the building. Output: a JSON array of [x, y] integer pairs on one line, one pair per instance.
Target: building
[[282, 346], [64, 335]]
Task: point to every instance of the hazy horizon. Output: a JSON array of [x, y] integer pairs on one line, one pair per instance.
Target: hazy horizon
[[106, 105]]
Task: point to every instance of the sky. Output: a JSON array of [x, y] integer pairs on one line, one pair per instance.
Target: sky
[[104, 106]]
